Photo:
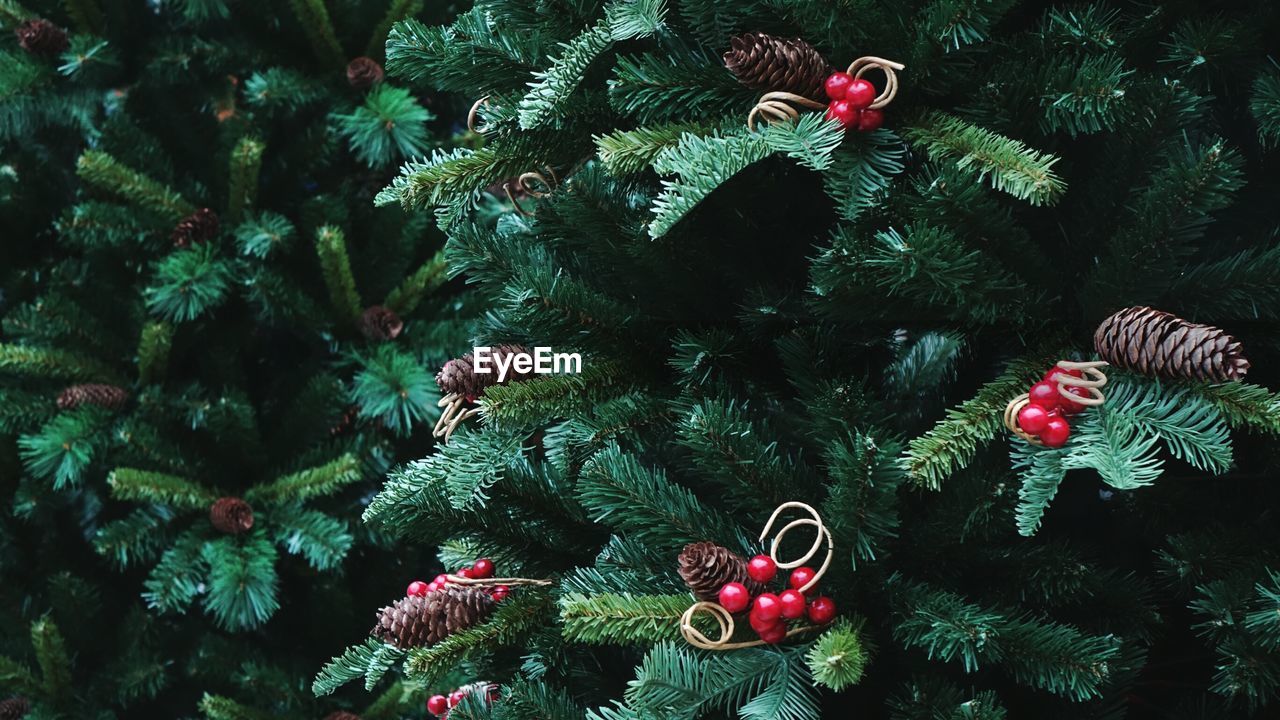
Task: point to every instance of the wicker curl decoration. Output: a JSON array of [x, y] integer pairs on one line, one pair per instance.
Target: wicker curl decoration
[[494, 582], [777, 105], [1092, 382], [724, 618]]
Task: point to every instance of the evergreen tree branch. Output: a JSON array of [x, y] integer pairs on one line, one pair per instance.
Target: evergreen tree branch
[[1008, 164], [108, 174], [153, 487], [335, 265], [307, 484]]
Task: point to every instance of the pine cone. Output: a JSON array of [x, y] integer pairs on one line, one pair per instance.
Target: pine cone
[[341, 715], [1157, 343], [41, 37], [706, 567], [363, 73], [421, 620], [104, 396], [231, 515], [15, 708], [198, 227], [458, 375], [380, 323], [767, 63]]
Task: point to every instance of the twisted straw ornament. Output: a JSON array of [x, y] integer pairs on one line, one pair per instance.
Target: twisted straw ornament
[[525, 184], [724, 618], [777, 105], [494, 582], [1093, 380], [474, 113]]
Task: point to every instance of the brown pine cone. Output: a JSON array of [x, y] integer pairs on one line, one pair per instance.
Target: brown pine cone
[[198, 227], [459, 376], [104, 396], [41, 37], [231, 515], [380, 323], [1153, 342], [15, 708], [767, 63], [363, 73], [706, 567], [341, 715], [421, 620]]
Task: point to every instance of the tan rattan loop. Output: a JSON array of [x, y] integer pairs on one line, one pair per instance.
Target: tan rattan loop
[[474, 113], [494, 582], [859, 67], [774, 106]]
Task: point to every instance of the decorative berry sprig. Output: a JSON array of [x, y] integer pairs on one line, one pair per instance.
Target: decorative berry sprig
[[1039, 415], [769, 612], [440, 705], [854, 102], [479, 574], [461, 386]]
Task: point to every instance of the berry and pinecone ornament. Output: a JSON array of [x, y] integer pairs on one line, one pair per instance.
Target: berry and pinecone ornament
[[706, 567], [199, 227], [440, 705], [422, 620], [1041, 415], [41, 38], [767, 63], [231, 515], [363, 73], [108, 397], [380, 323], [1153, 342], [461, 386]]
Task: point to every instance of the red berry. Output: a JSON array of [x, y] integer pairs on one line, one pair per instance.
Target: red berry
[[775, 634], [417, 587], [793, 604], [1048, 377], [761, 626], [437, 705], [767, 607], [841, 111], [482, 569], [493, 693], [801, 577], [822, 610], [836, 84], [455, 697], [870, 120], [464, 573], [1032, 419], [1056, 432], [1044, 394], [860, 94], [500, 593], [441, 580], [1071, 407], [734, 597], [762, 568]]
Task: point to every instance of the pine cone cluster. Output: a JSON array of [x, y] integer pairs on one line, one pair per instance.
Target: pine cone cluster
[[458, 376], [15, 708], [341, 715], [380, 323], [421, 620], [41, 37], [198, 227], [363, 73], [767, 63], [1153, 342], [706, 567], [231, 515], [109, 397]]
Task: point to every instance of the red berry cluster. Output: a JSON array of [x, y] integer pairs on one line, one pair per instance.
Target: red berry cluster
[[851, 100], [769, 611], [1046, 415], [481, 570], [440, 705]]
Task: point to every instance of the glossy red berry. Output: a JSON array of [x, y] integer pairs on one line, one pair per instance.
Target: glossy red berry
[[734, 597], [869, 120], [1044, 394], [437, 705], [842, 112], [417, 587], [801, 577], [822, 610], [767, 607], [482, 569], [455, 697], [836, 85], [500, 593], [432, 587], [761, 626], [1055, 370], [441, 580], [762, 568], [775, 634], [793, 604], [1071, 407], [860, 93], [1055, 433], [1032, 419], [464, 573]]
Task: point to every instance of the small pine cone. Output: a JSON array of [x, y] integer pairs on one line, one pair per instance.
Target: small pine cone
[[231, 515], [15, 708], [103, 396], [341, 715], [1157, 343], [198, 227], [459, 375], [41, 37], [767, 63], [380, 323], [706, 567], [421, 620], [363, 73]]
